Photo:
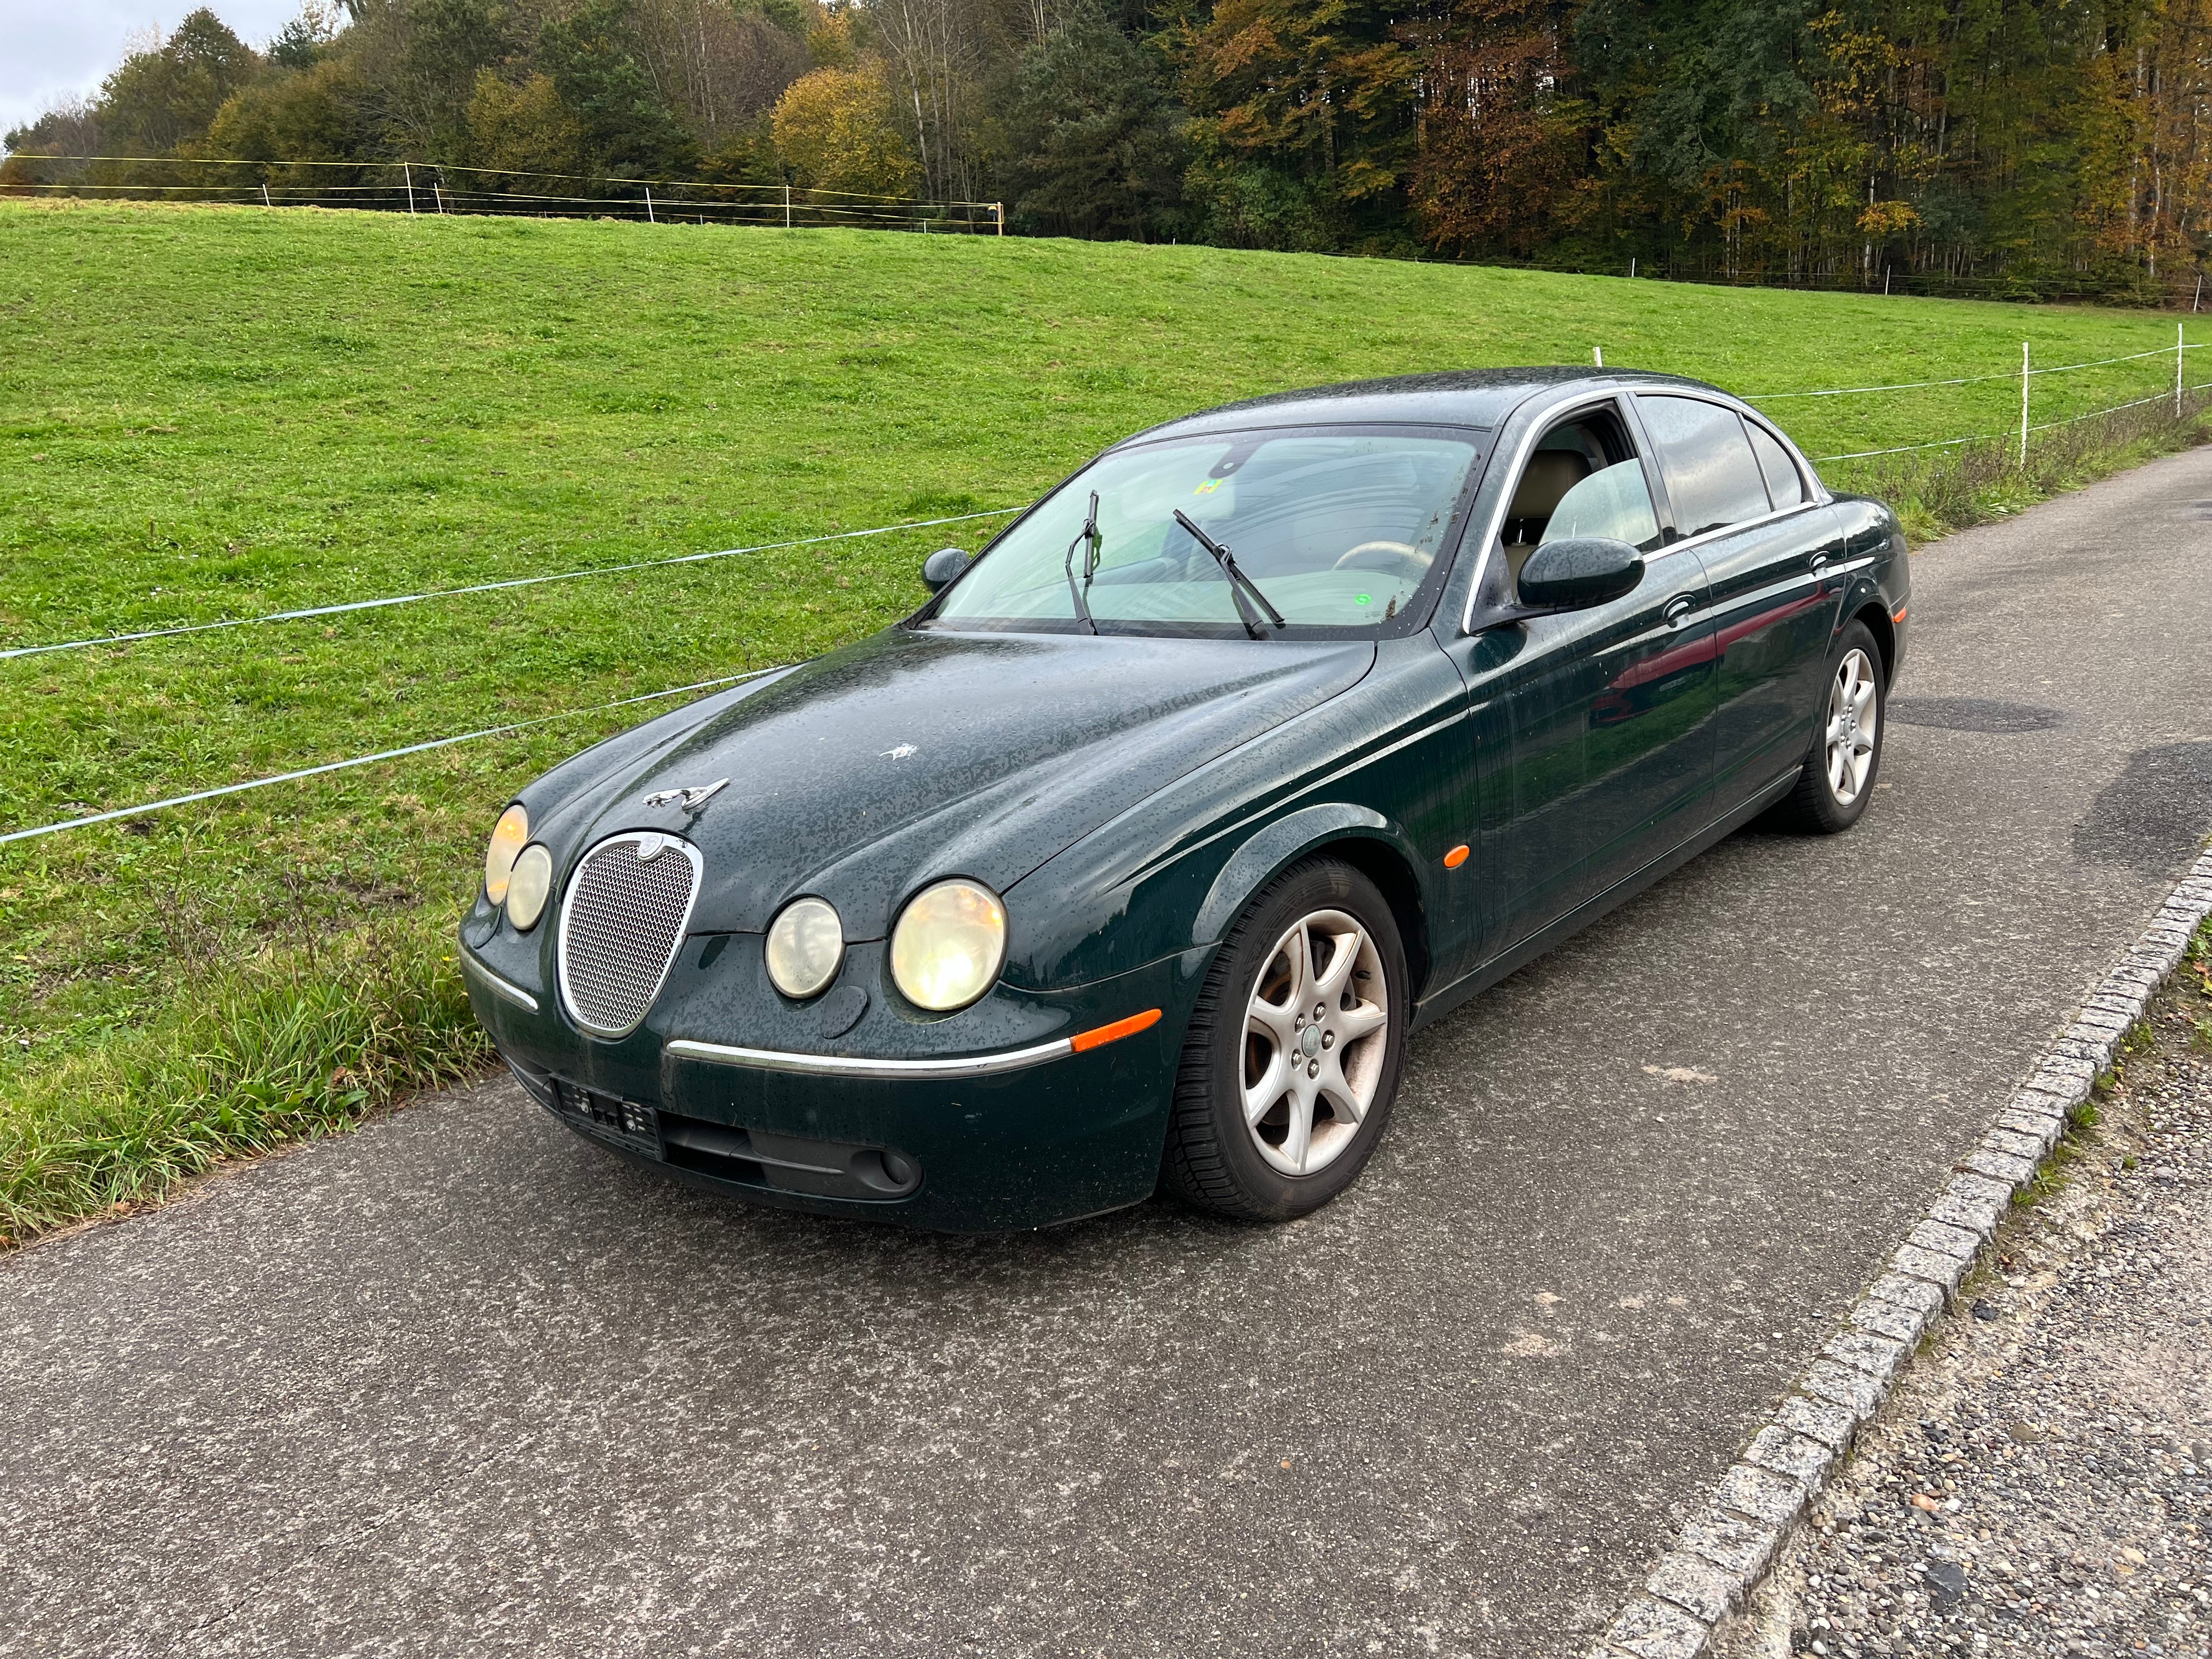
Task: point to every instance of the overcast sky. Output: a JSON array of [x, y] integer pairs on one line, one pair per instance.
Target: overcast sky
[[50, 50]]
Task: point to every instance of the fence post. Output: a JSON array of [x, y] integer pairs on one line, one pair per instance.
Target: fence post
[[267, 202], [786, 206], [1632, 267], [649, 219], [408, 168], [1597, 355], [2178, 328], [2023, 406], [999, 211]]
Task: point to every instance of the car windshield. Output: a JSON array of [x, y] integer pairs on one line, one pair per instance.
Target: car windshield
[[1339, 529]]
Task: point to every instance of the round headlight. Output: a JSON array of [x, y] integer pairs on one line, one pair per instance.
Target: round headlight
[[527, 887], [507, 836], [805, 945], [949, 945]]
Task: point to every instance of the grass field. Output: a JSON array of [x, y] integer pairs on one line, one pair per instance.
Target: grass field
[[209, 413]]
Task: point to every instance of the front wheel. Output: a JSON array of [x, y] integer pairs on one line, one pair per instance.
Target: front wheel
[[1294, 1051], [1846, 753]]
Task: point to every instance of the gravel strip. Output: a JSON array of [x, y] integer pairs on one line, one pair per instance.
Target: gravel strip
[[2041, 1481]]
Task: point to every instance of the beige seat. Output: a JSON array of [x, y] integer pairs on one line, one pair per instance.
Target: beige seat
[[1552, 473]]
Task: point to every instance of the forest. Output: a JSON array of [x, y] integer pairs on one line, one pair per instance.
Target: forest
[[2022, 148]]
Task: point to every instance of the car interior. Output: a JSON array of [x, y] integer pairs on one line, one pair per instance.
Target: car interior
[[1577, 457]]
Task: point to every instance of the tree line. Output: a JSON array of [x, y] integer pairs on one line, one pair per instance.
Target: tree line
[[2018, 146]]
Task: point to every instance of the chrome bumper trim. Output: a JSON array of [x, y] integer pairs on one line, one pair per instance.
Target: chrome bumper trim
[[498, 986], [773, 1060]]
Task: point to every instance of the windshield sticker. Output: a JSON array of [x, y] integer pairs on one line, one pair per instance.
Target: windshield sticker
[[1207, 487], [1359, 598]]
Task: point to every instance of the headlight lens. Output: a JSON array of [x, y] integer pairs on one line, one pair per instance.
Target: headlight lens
[[527, 887], [949, 945], [508, 837], [805, 944]]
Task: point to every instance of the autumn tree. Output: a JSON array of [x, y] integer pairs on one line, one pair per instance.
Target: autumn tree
[[838, 130]]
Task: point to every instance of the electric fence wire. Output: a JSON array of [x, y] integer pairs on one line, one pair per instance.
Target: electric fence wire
[[381, 754], [695, 558], [1991, 437], [389, 600], [1965, 380]]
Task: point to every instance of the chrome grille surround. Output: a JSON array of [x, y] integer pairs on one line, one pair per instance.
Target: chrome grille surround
[[621, 923]]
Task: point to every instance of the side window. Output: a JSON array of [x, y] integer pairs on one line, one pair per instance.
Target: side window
[[1712, 477], [1584, 479], [1783, 483], [1614, 501]]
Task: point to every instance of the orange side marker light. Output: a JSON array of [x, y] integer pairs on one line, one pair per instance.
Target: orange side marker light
[[1099, 1036], [1901, 610], [1456, 857]]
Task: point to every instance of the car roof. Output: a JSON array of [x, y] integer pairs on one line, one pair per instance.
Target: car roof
[[1458, 397]]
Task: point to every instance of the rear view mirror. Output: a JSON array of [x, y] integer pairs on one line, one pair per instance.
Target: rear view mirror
[[1578, 571], [940, 567]]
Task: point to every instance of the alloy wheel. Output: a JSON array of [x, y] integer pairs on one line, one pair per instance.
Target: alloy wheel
[[1316, 1036], [1854, 713]]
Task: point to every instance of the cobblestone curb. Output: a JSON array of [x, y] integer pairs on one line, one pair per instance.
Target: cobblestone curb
[[1727, 1545]]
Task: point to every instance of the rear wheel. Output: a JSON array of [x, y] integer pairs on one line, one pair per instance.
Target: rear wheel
[[1293, 1056], [1846, 753]]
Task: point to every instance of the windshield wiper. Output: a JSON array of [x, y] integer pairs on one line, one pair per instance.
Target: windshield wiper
[[1088, 537], [1239, 583]]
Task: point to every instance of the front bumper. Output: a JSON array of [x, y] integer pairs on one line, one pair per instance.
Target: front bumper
[[1021, 1134]]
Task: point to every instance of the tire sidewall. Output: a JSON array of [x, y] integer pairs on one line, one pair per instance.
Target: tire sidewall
[[1322, 884], [1834, 814]]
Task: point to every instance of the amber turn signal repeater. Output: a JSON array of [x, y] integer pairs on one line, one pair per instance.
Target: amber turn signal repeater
[[1099, 1036], [1456, 857]]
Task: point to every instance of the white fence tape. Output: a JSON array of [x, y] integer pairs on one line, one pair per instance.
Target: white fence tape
[[484, 587], [370, 760]]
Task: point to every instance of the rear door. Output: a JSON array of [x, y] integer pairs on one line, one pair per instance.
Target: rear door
[[1753, 521]]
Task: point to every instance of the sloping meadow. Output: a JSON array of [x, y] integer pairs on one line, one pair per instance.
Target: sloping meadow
[[211, 413]]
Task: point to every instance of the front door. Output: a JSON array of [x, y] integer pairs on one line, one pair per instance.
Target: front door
[[1592, 728]]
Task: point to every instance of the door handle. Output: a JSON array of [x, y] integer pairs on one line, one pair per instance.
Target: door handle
[[1818, 562], [1677, 608]]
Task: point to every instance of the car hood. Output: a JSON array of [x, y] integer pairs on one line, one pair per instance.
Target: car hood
[[913, 755]]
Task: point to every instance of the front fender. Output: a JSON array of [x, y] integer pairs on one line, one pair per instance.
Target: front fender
[[1274, 846], [1384, 765]]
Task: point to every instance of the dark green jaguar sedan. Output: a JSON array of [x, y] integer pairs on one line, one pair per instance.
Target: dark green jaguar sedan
[[1136, 854]]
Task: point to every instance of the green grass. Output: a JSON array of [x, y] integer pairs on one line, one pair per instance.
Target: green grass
[[209, 413]]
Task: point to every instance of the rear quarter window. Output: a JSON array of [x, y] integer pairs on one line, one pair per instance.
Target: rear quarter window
[[1782, 483]]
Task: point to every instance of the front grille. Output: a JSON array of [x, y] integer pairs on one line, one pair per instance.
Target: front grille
[[621, 926]]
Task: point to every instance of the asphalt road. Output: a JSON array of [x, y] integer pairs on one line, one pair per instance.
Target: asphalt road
[[460, 1384]]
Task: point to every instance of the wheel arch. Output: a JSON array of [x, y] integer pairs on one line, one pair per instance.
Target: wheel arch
[[1875, 614], [1359, 835]]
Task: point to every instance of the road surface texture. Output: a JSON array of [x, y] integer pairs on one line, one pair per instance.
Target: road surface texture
[[2041, 1484], [461, 1384]]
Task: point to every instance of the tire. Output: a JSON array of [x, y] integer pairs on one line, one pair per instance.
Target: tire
[[1844, 756], [1288, 950]]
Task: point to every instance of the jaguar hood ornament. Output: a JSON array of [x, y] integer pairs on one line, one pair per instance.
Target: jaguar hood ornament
[[693, 798]]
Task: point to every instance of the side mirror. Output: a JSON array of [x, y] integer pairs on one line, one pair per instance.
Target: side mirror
[[1579, 572], [940, 567]]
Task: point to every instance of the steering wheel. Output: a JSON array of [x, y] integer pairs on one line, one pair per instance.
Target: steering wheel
[[1385, 556]]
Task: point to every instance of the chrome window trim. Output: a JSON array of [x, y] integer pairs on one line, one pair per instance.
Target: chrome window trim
[[913, 1071], [1548, 415], [498, 986], [1539, 423], [676, 948], [1773, 516]]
